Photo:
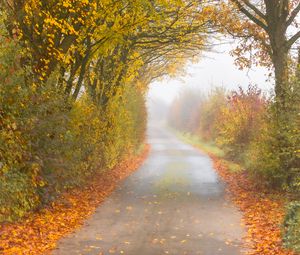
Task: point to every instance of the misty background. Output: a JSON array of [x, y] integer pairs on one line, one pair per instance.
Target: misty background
[[214, 69]]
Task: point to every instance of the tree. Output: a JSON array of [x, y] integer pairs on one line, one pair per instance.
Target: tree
[[165, 36], [269, 28], [99, 46]]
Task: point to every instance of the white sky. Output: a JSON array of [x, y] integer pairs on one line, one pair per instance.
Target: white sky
[[216, 69]]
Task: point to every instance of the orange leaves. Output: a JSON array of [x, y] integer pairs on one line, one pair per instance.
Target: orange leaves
[[41, 230], [262, 212]]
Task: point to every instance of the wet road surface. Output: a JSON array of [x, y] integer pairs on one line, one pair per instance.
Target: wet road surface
[[174, 204]]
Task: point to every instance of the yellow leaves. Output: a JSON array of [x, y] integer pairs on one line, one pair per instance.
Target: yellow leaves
[[51, 22], [66, 4], [62, 25], [51, 42], [104, 22], [60, 21], [41, 230], [233, 23]]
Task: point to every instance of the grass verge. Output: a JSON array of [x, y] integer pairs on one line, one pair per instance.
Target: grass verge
[[209, 148], [263, 210]]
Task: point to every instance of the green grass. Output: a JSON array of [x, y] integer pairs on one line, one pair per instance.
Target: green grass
[[232, 166], [194, 140], [208, 147], [291, 235]]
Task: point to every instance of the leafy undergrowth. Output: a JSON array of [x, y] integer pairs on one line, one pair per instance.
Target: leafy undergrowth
[[39, 233], [291, 236], [263, 212]]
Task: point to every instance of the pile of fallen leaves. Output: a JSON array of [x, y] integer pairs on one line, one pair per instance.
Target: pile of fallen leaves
[[40, 232], [263, 212]]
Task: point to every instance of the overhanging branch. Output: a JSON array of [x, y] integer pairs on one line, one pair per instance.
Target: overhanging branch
[[250, 15], [292, 40], [293, 15], [256, 10]]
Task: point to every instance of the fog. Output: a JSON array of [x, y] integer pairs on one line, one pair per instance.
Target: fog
[[215, 68]]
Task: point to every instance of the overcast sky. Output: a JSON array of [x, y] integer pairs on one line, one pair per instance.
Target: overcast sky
[[216, 69]]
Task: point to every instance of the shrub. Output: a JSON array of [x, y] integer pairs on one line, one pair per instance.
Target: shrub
[[210, 110], [262, 135], [18, 169], [49, 143], [239, 121], [291, 231], [274, 154]]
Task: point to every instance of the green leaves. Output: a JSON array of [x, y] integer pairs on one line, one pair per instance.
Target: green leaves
[[291, 227]]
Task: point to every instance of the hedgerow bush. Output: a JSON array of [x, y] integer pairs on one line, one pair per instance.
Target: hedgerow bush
[[210, 111], [274, 154], [49, 143], [291, 227], [18, 169], [239, 121], [257, 132]]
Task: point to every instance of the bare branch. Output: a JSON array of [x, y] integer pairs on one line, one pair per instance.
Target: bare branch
[[292, 40], [9, 4], [256, 10], [249, 15], [293, 15]]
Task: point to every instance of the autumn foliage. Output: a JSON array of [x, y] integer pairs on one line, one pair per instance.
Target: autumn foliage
[[239, 120], [246, 126], [263, 212], [49, 144], [73, 76], [73, 80], [39, 232]]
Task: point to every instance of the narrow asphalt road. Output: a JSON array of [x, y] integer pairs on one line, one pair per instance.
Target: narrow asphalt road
[[174, 204]]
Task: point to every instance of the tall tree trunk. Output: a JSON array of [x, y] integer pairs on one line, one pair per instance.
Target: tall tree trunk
[[280, 61], [69, 85], [276, 16], [298, 65], [81, 76]]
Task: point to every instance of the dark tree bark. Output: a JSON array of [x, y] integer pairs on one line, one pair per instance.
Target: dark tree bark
[[298, 64]]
